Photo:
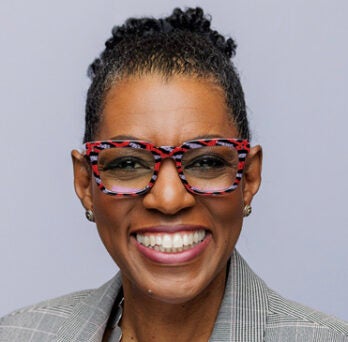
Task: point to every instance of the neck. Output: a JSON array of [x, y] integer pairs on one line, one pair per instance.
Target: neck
[[149, 319]]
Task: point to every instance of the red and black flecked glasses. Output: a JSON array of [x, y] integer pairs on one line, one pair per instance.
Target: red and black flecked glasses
[[130, 167]]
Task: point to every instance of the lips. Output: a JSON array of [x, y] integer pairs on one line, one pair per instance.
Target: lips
[[171, 245]]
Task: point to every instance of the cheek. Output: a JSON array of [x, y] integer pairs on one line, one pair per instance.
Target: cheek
[[111, 216], [228, 210], [227, 215]]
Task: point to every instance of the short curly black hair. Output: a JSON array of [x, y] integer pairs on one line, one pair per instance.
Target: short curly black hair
[[181, 44]]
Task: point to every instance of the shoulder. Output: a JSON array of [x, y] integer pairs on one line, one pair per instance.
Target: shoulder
[[79, 316], [257, 313], [41, 320], [286, 319]]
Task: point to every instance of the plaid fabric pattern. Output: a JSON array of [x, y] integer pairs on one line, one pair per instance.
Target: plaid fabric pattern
[[250, 312]]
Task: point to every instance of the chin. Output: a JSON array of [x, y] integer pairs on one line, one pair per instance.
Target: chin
[[174, 294], [179, 286]]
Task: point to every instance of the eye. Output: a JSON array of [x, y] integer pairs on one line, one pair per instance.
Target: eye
[[207, 162], [125, 164]]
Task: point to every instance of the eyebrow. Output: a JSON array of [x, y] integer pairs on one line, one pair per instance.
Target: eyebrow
[[124, 137], [207, 136], [203, 136]]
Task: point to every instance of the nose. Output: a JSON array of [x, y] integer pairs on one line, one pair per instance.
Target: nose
[[168, 195]]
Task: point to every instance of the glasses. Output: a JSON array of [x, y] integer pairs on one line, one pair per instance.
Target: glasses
[[130, 167]]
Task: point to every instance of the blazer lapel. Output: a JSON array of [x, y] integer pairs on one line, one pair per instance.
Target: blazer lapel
[[88, 320], [243, 311]]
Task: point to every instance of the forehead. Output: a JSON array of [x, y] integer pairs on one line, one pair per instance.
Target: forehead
[[165, 111]]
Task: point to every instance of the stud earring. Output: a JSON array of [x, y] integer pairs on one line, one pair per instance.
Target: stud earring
[[247, 210], [90, 215]]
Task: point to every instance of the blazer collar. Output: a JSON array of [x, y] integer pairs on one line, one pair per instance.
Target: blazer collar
[[88, 320], [242, 315], [243, 311]]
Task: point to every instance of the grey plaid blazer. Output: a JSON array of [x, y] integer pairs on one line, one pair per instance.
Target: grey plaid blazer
[[250, 312]]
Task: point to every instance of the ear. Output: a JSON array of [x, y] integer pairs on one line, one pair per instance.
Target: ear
[[82, 179], [252, 174]]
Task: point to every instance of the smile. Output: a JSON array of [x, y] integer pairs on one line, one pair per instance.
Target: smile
[[171, 243]]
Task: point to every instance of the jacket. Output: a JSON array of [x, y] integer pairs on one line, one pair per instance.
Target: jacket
[[249, 312]]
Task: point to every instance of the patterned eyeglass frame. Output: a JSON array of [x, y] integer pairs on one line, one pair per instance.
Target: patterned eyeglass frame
[[160, 153]]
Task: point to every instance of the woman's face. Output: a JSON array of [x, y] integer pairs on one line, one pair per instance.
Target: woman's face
[[168, 113]]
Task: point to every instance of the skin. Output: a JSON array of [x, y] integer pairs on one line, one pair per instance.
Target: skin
[[183, 299]]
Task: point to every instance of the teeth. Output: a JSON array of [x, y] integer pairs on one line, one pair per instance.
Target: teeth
[[167, 241], [146, 240], [171, 243], [177, 241], [185, 240], [140, 238], [158, 240]]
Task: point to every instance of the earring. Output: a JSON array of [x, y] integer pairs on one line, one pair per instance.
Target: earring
[[247, 210], [90, 215]]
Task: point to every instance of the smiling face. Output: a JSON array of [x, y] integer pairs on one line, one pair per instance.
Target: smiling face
[[169, 243]]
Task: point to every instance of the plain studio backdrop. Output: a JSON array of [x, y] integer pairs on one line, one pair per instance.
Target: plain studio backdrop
[[293, 61]]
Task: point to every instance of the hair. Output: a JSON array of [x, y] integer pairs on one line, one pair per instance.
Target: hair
[[180, 44]]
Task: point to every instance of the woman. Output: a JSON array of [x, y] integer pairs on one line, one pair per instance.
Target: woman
[[168, 175]]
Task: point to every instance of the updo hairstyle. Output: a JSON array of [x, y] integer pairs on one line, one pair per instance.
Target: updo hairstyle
[[181, 44]]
